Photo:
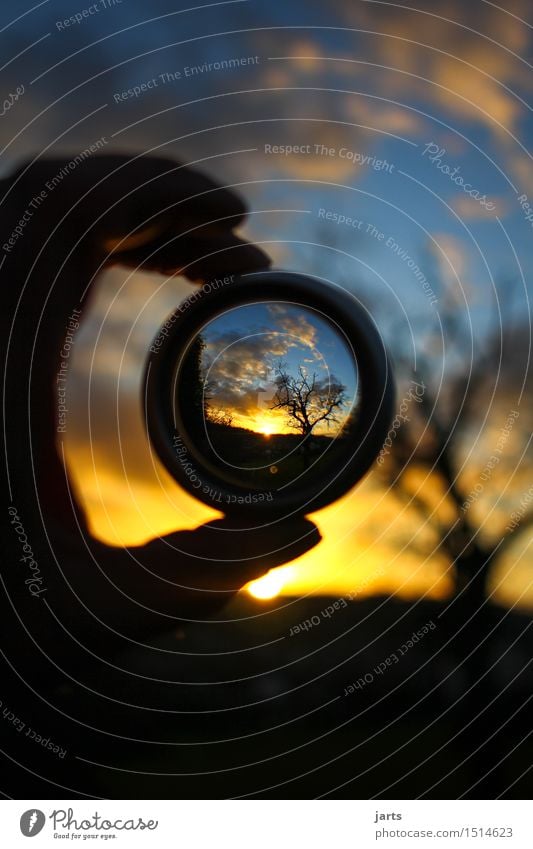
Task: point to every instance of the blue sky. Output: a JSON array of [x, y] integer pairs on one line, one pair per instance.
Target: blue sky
[[368, 76]]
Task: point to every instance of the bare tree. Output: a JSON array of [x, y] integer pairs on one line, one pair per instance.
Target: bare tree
[[474, 504], [458, 460], [308, 400], [436, 441]]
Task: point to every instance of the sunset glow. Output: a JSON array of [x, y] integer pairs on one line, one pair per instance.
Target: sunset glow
[[131, 499], [267, 426], [271, 584]]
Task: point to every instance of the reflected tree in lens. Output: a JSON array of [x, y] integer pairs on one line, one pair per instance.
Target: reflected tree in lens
[[215, 413], [274, 386], [308, 401], [193, 379]]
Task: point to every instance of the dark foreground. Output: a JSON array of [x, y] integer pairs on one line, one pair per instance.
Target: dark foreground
[[350, 705]]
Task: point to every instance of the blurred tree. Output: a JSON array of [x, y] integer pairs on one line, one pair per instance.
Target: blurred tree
[[458, 447], [451, 451], [456, 455]]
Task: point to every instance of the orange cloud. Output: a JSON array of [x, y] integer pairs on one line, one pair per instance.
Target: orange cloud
[[470, 209]]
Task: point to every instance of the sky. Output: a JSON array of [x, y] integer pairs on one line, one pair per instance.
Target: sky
[[382, 146], [246, 346]]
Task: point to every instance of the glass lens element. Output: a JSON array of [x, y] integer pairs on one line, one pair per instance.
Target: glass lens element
[[268, 395]]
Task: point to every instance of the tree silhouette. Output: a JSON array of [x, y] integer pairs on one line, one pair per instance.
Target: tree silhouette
[[472, 384], [450, 490], [474, 503], [307, 400], [192, 382]]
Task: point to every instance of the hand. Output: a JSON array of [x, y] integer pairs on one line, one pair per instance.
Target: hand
[[140, 211], [153, 214]]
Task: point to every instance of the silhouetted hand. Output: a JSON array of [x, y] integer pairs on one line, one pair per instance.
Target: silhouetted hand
[[153, 214]]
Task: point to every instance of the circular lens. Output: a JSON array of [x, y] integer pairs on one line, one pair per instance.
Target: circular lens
[[269, 397], [271, 392]]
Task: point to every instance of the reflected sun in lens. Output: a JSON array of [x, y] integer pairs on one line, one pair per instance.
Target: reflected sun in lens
[[265, 426]]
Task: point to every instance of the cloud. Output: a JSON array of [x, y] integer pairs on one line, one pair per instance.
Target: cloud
[[519, 167], [294, 324], [469, 208], [450, 253], [453, 263], [126, 311], [467, 55], [240, 363]]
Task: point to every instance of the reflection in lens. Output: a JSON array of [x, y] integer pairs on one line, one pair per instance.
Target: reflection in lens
[[269, 394]]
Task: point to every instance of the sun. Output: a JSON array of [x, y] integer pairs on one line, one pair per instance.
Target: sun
[[265, 426], [270, 585]]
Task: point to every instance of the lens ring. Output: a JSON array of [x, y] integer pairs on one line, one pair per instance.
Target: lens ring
[[176, 447]]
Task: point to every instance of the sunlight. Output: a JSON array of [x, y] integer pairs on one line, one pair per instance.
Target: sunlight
[[267, 424], [271, 584]]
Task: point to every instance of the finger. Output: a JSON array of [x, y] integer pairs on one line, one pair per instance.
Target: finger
[[167, 181], [187, 575], [200, 257], [142, 189], [222, 556]]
